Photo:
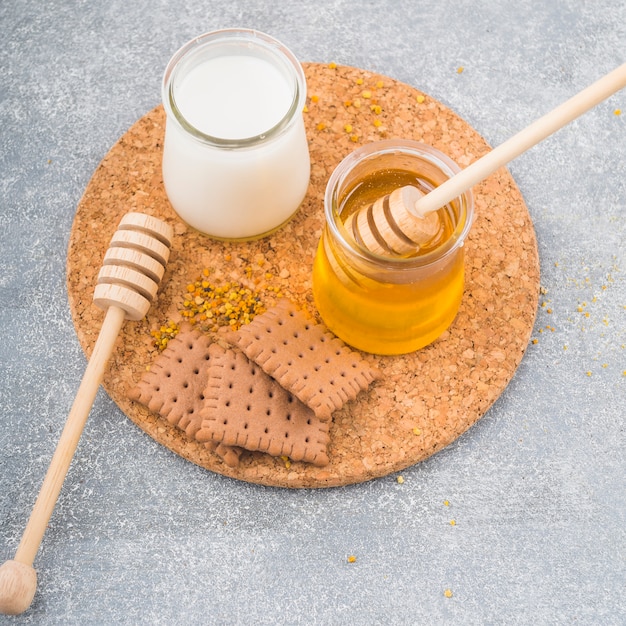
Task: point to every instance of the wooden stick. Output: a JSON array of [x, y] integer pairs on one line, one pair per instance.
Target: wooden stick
[[522, 141], [115, 293], [414, 229]]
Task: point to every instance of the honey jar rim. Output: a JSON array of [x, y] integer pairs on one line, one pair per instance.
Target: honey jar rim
[[389, 147]]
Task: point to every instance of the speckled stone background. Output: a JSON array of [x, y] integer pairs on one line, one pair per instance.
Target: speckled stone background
[[521, 520]]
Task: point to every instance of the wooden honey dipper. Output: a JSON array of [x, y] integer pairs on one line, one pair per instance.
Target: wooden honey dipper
[[399, 223], [127, 283]]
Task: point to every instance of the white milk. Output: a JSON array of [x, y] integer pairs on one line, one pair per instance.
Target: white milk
[[250, 187], [234, 97]]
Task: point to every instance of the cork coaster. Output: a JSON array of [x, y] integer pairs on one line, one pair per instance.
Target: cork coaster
[[424, 400]]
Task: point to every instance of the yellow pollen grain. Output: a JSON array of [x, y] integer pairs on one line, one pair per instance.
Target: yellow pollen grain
[[420, 99], [352, 559], [448, 593], [618, 111], [400, 480], [315, 98], [332, 66], [460, 70], [348, 128], [359, 81], [367, 94]]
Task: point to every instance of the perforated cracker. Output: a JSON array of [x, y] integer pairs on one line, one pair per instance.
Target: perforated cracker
[[246, 408], [305, 358], [174, 385]]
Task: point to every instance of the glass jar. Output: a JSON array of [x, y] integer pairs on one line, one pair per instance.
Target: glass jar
[[380, 304], [235, 159]]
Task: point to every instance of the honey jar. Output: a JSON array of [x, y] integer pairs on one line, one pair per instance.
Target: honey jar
[[390, 304]]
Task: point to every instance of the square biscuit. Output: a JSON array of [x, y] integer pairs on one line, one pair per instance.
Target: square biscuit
[[305, 358], [174, 386], [246, 408]]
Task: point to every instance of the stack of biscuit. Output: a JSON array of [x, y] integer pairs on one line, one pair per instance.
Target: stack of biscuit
[[272, 389]]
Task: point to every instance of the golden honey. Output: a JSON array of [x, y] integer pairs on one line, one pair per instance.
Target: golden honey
[[389, 305]]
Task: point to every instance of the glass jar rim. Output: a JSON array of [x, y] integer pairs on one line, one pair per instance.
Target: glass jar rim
[[392, 146], [251, 38]]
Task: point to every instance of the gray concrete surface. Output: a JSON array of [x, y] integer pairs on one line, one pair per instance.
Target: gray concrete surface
[[536, 488]]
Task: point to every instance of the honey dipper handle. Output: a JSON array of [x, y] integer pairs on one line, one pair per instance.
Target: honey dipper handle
[[522, 141], [49, 492]]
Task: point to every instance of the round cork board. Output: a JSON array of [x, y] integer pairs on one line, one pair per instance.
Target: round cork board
[[425, 400]]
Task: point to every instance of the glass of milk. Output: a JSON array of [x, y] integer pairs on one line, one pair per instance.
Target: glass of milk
[[235, 159]]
